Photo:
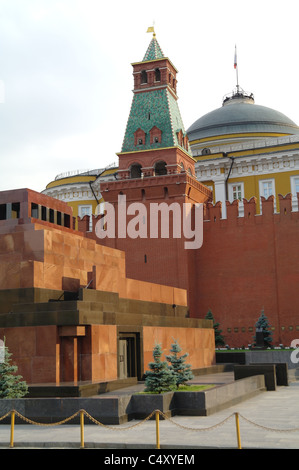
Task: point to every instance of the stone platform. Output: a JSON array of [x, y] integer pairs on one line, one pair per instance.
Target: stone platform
[[125, 404]]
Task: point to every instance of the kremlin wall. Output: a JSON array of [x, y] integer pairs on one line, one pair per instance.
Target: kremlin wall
[[246, 264]]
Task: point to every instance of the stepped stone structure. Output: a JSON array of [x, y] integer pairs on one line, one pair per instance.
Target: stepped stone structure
[[68, 312]]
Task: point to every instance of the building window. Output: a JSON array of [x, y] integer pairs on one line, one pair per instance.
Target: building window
[[51, 216], [143, 76], [2, 211], [86, 210], [135, 171], [155, 135], [267, 189], [157, 75], [139, 137], [236, 192], [294, 190], [34, 210], [160, 168]]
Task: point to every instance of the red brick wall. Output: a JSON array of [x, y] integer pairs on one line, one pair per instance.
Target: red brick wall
[[247, 264], [157, 260]]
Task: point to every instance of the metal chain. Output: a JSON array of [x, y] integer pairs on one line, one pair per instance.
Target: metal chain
[[95, 421], [196, 429], [29, 421], [5, 416], [266, 427]]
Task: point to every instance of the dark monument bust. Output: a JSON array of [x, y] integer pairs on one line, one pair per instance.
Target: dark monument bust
[[260, 338]]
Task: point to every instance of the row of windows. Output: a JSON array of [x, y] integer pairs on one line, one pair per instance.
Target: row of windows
[[12, 211], [155, 135], [144, 77], [266, 188], [251, 329], [159, 169]]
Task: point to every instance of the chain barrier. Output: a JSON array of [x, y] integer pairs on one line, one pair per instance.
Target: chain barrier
[[195, 429], [266, 428], [30, 421], [83, 413], [95, 421], [5, 416]]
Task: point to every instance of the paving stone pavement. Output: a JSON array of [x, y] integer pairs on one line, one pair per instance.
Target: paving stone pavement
[[269, 420]]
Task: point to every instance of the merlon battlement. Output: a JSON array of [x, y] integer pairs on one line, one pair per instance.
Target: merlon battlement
[[248, 209]]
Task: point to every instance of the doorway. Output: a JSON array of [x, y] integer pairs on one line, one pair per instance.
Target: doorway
[[128, 355]]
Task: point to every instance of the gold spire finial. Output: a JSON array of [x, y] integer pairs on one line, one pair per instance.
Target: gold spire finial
[[151, 29]]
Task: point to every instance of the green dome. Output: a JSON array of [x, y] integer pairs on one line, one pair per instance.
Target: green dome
[[239, 115]]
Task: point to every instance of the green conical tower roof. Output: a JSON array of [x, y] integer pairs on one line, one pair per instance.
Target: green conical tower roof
[[154, 50], [155, 106]]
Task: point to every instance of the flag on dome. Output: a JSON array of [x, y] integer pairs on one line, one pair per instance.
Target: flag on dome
[[235, 61]]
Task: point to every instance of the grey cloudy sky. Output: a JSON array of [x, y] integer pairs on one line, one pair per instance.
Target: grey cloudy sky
[[67, 75]]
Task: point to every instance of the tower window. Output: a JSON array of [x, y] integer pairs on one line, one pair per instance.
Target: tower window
[[160, 168], [136, 170], [157, 75], [139, 137], [155, 135], [143, 76]]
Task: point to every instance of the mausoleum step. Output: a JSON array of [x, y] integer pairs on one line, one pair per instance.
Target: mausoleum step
[[82, 316], [93, 295], [46, 306]]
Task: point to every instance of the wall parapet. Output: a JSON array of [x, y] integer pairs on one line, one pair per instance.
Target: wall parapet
[[213, 212]]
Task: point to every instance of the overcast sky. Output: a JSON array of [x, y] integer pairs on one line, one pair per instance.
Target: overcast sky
[[65, 67]]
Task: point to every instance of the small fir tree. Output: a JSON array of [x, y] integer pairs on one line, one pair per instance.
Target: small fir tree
[[182, 371], [219, 339], [263, 325], [11, 385], [160, 378]]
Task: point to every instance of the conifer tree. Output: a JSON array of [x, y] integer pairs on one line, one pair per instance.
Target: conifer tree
[[160, 378], [11, 385], [182, 371], [219, 339], [263, 324]]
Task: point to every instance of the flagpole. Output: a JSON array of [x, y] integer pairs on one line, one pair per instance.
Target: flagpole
[[236, 67]]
